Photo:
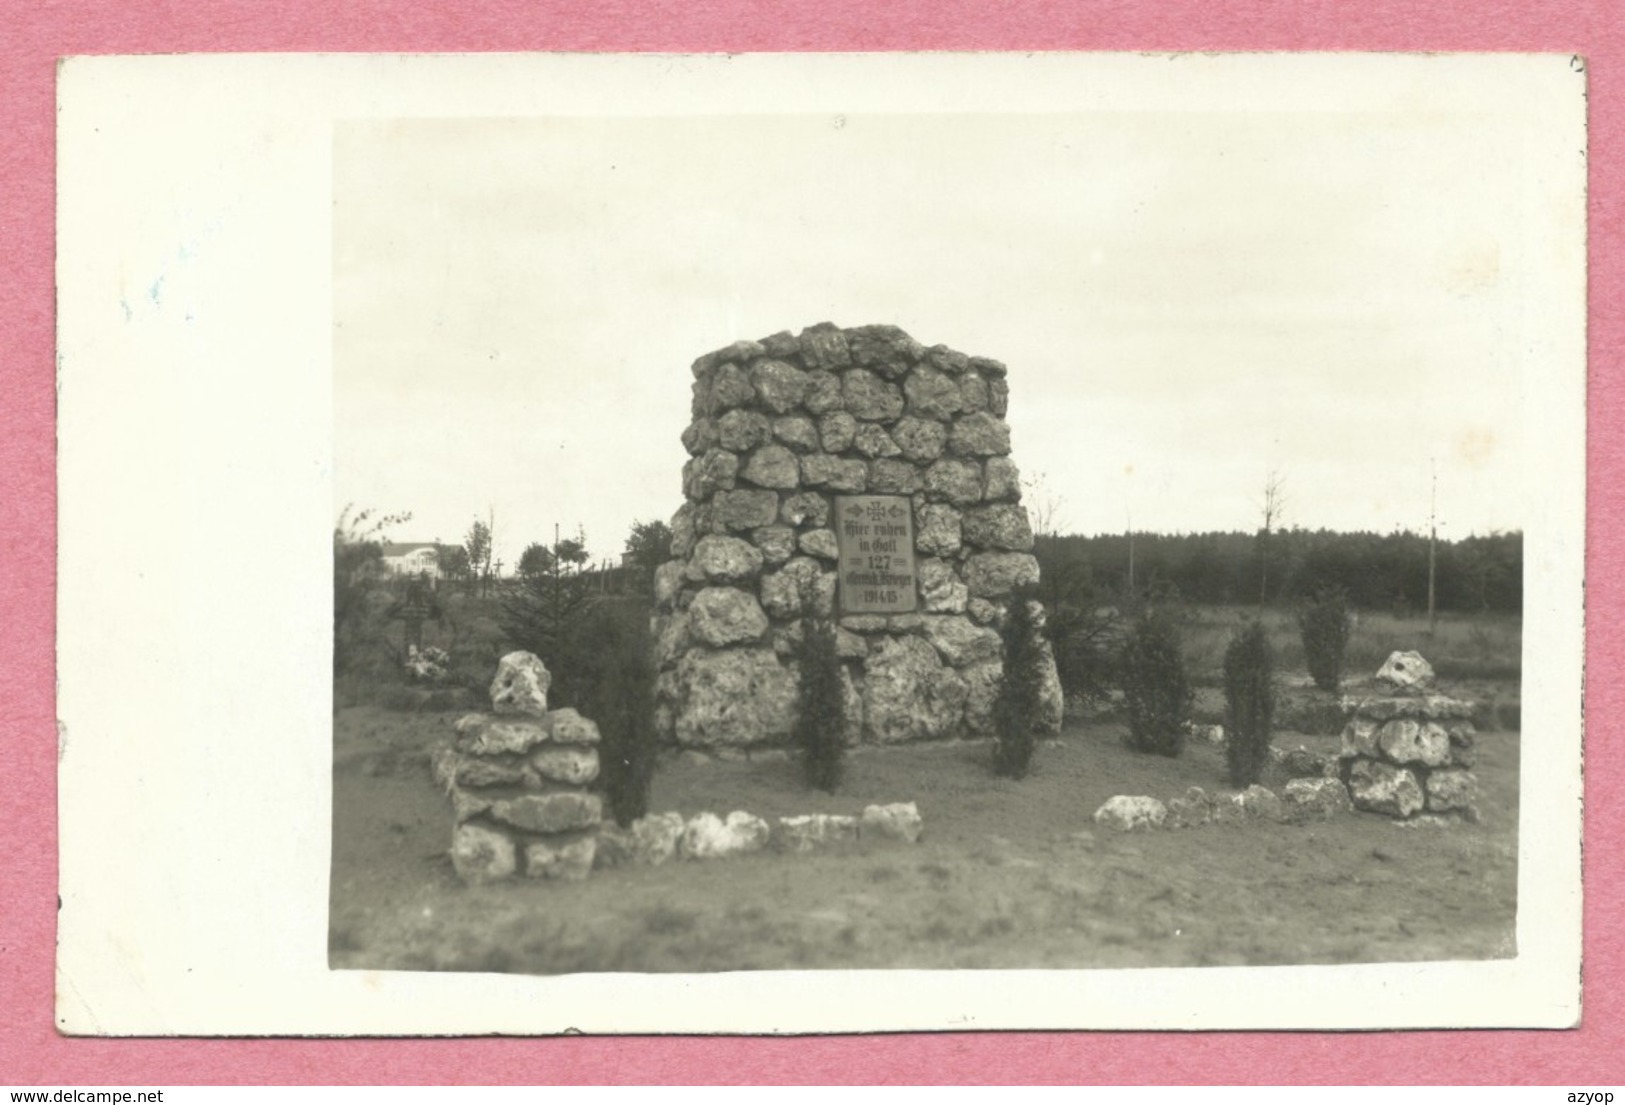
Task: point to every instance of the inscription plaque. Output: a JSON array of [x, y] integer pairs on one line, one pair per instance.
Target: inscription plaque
[[875, 535]]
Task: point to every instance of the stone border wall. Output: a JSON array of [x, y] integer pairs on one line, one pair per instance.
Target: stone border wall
[[779, 428]]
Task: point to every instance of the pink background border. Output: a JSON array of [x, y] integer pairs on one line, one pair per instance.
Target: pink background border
[[30, 1049]]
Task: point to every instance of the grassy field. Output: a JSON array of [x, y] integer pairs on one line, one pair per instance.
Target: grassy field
[[1008, 874], [1464, 648]]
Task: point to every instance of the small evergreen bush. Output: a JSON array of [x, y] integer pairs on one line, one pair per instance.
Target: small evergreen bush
[[1249, 704], [819, 731], [619, 696], [1324, 625], [1083, 623], [1157, 693], [1017, 704]]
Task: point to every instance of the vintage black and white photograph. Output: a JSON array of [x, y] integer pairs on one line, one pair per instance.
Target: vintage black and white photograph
[[830, 543], [932, 541]]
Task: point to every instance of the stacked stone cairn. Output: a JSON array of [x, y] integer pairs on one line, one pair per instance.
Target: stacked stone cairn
[[1408, 752], [517, 780], [781, 426]]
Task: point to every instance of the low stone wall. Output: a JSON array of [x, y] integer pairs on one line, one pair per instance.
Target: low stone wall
[[1303, 799], [659, 838], [780, 428], [1410, 755]]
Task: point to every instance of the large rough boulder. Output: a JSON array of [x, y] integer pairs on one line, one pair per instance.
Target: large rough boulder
[[669, 582], [1406, 671], [1301, 763], [814, 831], [707, 836], [893, 477], [836, 431], [649, 841], [981, 688], [706, 475], [872, 442], [740, 432], [730, 387], [1125, 812], [954, 481], [869, 398], [776, 543], [1406, 741], [807, 508], [479, 735], [520, 686], [820, 543], [1003, 480], [719, 559], [743, 509], [566, 764], [1315, 798], [824, 346], [937, 531], [1360, 738], [1191, 811], [1051, 701], [920, 441], [960, 641], [1453, 789], [838, 474], [480, 854], [1383, 788], [733, 697], [999, 526], [566, 726], [888, 349], [1261, 804], [567, 859], [982, 434], [801, 586], [908, 694], [897, 821], [796, 431], [550, 813], [932, 394], [781, 387], [721, 616], [941, 591], [772, 466], [993, 575]]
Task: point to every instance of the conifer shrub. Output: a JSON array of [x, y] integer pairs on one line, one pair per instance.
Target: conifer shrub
[[1157, 693], [617, 692], [1249, 704], [1324, 625], [1017, 704], [819, 731]]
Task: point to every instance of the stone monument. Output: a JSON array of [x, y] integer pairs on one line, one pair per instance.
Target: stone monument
[[1409, 751], [517, 779], [854, 474]]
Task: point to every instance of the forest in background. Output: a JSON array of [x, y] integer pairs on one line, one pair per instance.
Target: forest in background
[[1387, 572]]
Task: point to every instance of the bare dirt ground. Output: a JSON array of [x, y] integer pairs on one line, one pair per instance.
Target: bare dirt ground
[[1009, 874]]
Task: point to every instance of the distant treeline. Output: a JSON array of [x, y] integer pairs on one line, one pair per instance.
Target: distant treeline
[[1378, 571]]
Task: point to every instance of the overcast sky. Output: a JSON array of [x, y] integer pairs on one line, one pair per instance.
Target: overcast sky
[[1185, 301]]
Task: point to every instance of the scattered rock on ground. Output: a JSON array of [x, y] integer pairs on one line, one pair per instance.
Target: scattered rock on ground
[[707, 836], [897, 821], [1126, 812]]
